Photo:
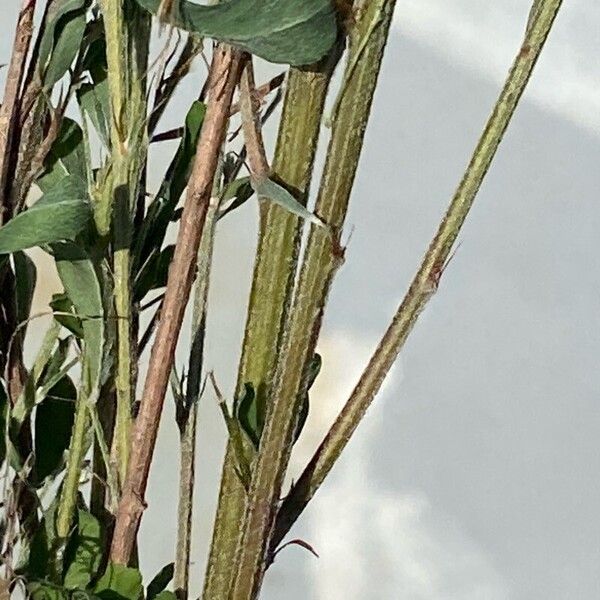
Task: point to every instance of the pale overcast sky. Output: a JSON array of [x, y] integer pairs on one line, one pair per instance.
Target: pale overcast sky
[[475, 474]]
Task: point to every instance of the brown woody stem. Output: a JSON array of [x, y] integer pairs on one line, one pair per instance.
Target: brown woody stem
[[224, 76]]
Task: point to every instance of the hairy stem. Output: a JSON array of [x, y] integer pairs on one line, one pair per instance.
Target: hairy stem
[[427, 279], [322, 258], [127, 33], [272, 285], [224, 76], [70, 486], [188, 411]]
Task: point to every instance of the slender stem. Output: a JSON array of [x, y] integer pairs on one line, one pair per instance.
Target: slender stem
[[224, 76], [272, 285], [127, 31], [251, 125], [322, 257], [9, 110], [70, 486], [100, 437], [188, 411], [426, 280]]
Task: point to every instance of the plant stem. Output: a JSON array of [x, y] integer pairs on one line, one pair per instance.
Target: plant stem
[[322, 257], [272, 285], [427, 279], [70, 486], [224, 76], [127, 34], [188, 410], [9, 110]]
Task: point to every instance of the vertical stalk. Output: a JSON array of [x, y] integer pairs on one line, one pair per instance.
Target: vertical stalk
[[127, 31], [188, 412], [323, 256], [70, 486], [272, 284], [223, 79], [9, 110], [426, 281]]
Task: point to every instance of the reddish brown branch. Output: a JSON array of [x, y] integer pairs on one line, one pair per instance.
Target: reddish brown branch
[[225, 71], [9, 110]]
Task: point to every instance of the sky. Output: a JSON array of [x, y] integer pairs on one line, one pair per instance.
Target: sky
[[475, 474]]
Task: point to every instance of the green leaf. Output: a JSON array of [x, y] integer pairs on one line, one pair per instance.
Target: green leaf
[[78, 275], [119, 583], [250, 418], [60, 214], [236, 193], [61, 304], [42, 544], [84, 552], [61, 39], [314, 369], [280, 31], [166, 595], [151, 235], [53, 424], [269, 190], [93, 97], [25, 280], [66, 157], [46, 591], [153, 275], [160, 582]]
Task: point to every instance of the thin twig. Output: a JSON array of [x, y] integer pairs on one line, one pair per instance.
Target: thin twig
[[261, 92], [251, 124], [427, 279], [9, 111], [187, 407], [224, 76]]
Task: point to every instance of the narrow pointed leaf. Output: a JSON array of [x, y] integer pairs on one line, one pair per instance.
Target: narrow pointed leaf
[[267, 189], [66, 158], [160, 212], [78, 275], [160, 581], [25, 280], [61, 39]]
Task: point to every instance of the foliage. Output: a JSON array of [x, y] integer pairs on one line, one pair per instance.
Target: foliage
[[77, 188]]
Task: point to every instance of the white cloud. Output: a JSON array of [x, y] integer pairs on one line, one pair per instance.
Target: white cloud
[[484, 36], [372, 543]]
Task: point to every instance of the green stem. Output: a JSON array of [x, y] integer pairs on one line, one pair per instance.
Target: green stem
[[104, 450], [70, 486], [188, 411], [274, 273], [427, 279], [127, 31], [322, 258]]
